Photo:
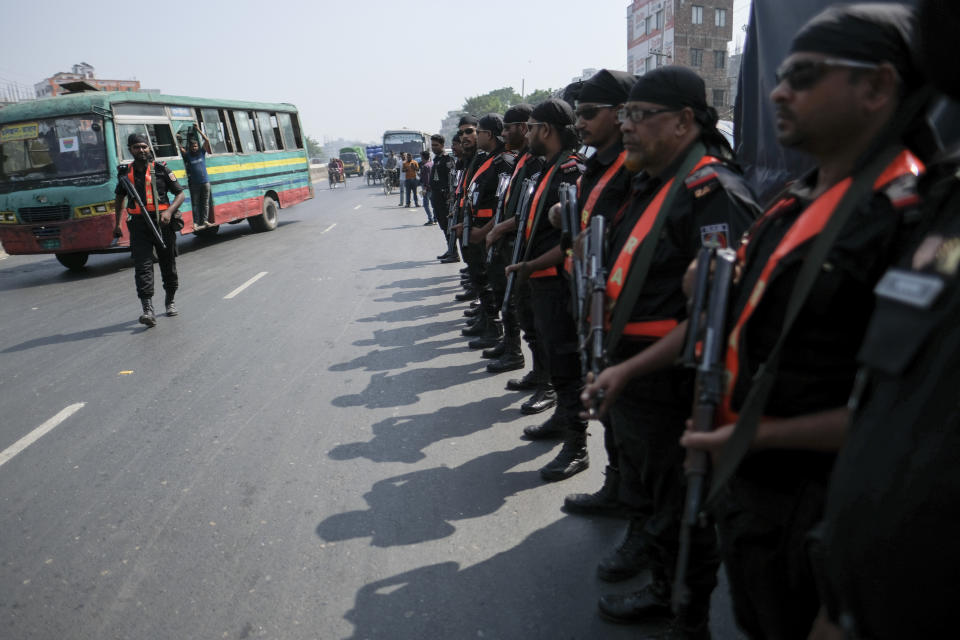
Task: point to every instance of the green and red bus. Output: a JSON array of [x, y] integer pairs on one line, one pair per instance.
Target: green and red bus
[[60, 157]]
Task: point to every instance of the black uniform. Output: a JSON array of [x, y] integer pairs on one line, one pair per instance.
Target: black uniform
[[893, 508], [714, 205], [483, 212], [440, 187], [614, 193], [777, 496], [142, 241]]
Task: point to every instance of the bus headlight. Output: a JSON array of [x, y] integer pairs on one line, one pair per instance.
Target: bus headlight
[[8, 217], [94, 210]]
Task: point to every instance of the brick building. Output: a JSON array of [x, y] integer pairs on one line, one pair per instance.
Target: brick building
[[83, 71], [692, 33]]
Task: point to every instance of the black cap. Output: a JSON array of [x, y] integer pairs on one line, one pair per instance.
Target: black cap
[[670, 86], [493, 123], [607, 87], [571, 93], [867, 32], [468, 120], [135, 138], [553, 111], [517, 113]]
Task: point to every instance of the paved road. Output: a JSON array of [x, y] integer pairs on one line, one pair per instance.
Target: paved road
[[317, 456]]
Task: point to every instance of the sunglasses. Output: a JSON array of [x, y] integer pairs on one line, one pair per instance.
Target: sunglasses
[[468, 131], [805, 74], [589, 112], [636, 115]]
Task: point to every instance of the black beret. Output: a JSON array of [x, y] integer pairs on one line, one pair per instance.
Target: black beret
[[607, 87], [517, 113], [670, 86], [135, 138], [553, 111], [493, 123], [468, 120], [571, 93], [867, 32]]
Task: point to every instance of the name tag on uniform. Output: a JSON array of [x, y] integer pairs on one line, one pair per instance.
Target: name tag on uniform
[[909, 287]]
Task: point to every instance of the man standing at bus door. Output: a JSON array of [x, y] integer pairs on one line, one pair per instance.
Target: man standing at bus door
[[152, 180], [411, 171], [195, 162], [426, 166]]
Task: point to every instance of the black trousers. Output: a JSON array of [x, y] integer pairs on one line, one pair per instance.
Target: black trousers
[[763, 543], [556, 329], [440, 212], [647, 421], [142, 245]]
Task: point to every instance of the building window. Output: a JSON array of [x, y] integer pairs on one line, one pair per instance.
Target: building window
[[697, 17], [660, 19], [720, 18], [649, 24], [696, 57], [718, 97], [719, 59]]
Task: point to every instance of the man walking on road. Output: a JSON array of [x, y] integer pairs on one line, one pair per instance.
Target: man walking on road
[[426, 166]]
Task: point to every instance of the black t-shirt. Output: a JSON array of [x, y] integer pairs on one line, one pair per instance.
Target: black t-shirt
[[163, 179], [818, 360], [893, 509], [616, 191], [486, 184], [544, 235], [714, 205], [532, 166]]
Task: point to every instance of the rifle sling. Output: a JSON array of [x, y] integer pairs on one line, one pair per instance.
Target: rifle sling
[[749, 418], [536, 214], [640, 265]]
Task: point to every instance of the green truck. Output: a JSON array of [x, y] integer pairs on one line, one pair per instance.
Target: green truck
[[354, 160]]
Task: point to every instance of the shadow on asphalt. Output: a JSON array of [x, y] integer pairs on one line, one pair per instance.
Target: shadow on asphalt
[[417, 312], [404, 388], [403, 438], [401, 356], [399, 514], [123, 327], [396, 266], [544, 587]]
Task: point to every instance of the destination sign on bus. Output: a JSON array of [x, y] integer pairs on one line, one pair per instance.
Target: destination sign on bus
[[21, 131]]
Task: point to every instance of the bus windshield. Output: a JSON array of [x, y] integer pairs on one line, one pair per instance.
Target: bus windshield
[[52, 149], [403, 142]]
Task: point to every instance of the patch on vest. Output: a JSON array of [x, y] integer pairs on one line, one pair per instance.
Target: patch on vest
[[715, 235]]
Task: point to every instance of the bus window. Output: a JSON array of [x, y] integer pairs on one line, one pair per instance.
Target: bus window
[[291, 136], [244, 128], [215, 130], [160, 136], [267, 134], [231, 141]]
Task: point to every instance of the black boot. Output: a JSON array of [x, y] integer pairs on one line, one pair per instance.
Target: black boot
[[554, 427], [489, 337], [468, 294], [571, 460], [602, 503], [506, 362], [544, 398], [147, 316], [650, 604], [497, 350], [471, 312], [170, 305], [529, 382], [629, 558], [480, 325]]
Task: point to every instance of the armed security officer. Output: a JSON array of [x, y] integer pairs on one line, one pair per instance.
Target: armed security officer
[[453, 253], [552, 135], [688, 194], [845, 97], [604, 189], [890, 554], [470, 160], [443, 165], [485, 181], [152, 181]]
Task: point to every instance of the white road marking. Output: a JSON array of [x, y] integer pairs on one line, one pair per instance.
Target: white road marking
[[38, 433], [246, 284], [328, 228], [357, 207]]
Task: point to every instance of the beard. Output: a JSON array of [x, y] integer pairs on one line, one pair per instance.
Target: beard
[[634, 161]]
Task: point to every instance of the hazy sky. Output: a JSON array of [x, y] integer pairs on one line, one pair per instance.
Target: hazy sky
[[353, 68]]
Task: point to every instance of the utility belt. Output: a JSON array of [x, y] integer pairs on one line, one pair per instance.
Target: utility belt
[[135, 210]]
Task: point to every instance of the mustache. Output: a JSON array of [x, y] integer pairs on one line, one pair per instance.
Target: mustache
[[784, 113]]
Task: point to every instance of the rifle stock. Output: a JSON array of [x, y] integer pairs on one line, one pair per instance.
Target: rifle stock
[[523, 211], [502, 185], [132, 193], [597, 277], [714, 276]]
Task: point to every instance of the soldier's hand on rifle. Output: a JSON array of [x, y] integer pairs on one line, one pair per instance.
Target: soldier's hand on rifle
[[710, 441], [554, 216], [458, 228], [476, 236], [610, 383], [165, 217], [521, 268]]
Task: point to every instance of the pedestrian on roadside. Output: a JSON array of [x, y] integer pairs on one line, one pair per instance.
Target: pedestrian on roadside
[[411, 173], [426, 166]]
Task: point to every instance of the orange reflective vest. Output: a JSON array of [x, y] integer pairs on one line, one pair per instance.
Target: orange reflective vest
[[148, 191]]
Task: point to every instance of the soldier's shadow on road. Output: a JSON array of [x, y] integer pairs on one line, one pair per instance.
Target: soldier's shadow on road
[[397, 266], [401, 513], [416, 312], [403, 438], [385, 390], [131, 326], [544, 587]]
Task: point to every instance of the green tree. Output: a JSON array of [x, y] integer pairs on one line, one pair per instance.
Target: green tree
[[538, 96], [496, 101], [314, 148]]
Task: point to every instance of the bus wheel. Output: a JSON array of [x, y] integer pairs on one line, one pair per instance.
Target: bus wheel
[[266, 221], [73, 261]]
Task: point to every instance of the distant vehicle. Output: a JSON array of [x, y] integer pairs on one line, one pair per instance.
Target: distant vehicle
[[60, 158], [352, 163], [405, 141]]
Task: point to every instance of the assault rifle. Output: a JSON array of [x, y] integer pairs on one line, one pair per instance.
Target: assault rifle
[[596, 277], [469, 206], [706, 324], [502, 185], [523, 212], [133, 195], [569, 230], [454, 180]]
